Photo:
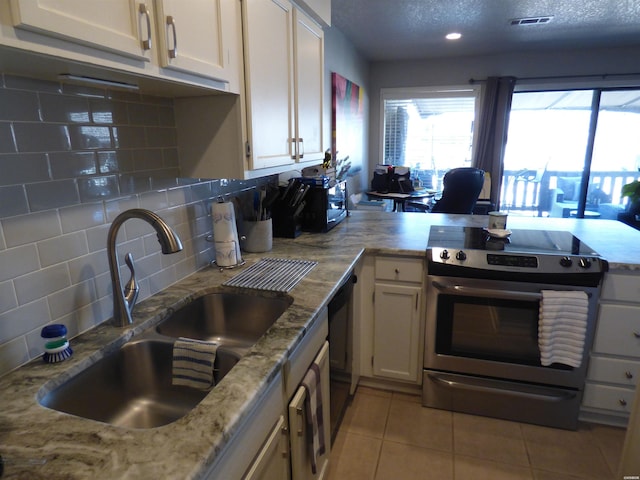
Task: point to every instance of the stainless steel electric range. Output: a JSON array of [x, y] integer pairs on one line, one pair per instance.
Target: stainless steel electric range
[[481, 340]]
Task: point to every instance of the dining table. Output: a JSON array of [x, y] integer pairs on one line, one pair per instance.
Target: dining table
[[400, 199]]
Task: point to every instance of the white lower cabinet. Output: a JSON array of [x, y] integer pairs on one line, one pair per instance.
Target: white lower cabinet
[[390, 318], [397, 331], [255, 448], [272, 462], [614, 366], [299, 429]]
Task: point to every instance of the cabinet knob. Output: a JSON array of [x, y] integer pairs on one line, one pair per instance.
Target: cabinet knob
[[397, 271], [628, 374], [636, 334], [623, 402]]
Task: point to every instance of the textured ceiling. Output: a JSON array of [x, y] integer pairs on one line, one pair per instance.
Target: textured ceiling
[[414, 29]]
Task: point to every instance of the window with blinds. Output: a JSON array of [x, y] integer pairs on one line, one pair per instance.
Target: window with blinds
[[430, 131]]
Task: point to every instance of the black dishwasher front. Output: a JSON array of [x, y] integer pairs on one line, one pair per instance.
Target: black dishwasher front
[[340, 350]]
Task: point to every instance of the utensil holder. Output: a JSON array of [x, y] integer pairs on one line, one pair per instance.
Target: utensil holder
[[257, 236]]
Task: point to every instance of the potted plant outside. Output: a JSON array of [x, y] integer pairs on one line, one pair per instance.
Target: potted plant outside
[[632, 214]]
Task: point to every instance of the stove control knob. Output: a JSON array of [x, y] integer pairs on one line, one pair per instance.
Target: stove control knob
[[461, 256], [444, 255], [585, 263], [566, 261]]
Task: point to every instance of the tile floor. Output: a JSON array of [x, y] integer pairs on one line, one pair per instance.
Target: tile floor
[[388, 435]]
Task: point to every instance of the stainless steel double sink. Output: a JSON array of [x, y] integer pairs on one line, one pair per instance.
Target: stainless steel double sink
[[132, 386]]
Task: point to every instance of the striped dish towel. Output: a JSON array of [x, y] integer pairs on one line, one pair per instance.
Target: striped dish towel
[[313, 409], [193, 362]]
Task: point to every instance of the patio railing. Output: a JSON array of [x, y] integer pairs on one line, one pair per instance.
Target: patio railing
[[533, 192]]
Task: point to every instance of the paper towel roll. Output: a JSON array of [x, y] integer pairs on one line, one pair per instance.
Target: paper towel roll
[[224, 231]]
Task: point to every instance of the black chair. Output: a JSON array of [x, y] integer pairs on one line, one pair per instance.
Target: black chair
[[461, 188]]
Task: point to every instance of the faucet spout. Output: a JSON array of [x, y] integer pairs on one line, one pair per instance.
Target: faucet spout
[[169, 243]]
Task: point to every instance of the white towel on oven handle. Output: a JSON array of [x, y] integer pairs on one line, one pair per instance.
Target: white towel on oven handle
[[562, 327]]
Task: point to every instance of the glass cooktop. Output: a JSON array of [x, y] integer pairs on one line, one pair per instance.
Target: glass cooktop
[[519, 241]]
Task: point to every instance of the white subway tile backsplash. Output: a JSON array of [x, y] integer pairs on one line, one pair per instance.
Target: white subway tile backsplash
[[148, 265], [143, 114], [67, 300], [8, 299], [23, 319], [7, 145], [13, 201], [18, 261], [88, 266], [26, 229], [113, 208], [24, 168], [53, 194], [90, 137], [32, 84], [93, 189], [41, 283], [72, 159], [64, 108], [161, 280], [97, 237], [108, 112], [61, 249], [19, 106], [41, 137], [73, 164], [154, 200], [129, 137], [13, 354], [81, 217]]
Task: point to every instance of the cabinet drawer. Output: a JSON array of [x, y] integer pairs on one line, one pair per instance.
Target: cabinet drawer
[[622, 288], [614, 370], [618, 331], [399, 269], [618, 399]]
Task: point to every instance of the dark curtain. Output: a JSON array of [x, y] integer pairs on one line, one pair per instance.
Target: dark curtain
[[492, 136]]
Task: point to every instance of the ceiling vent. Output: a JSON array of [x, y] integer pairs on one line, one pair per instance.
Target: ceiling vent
[[531, 20]]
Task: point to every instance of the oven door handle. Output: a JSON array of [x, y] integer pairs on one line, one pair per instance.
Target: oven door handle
[[487, 292], [487, 386]]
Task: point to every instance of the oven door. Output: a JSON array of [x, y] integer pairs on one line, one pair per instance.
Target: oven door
[[490, 328]]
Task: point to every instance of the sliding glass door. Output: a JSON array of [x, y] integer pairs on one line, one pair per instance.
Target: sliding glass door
[[570, 152]]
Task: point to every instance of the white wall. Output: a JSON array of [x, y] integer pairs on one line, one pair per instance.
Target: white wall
[[341, 57], [458, 71]]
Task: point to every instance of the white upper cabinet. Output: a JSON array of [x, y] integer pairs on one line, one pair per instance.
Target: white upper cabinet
[[309, 70], [194, 42], [284, 69], [193, 38], [110, 25], [269, 76]]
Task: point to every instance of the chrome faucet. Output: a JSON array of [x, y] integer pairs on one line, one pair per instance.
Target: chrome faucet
[[124, 300]]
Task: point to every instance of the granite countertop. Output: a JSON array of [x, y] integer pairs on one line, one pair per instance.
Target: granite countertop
[[77, 448]]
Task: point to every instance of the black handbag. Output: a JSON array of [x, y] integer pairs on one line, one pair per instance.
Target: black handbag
[[401, 180]]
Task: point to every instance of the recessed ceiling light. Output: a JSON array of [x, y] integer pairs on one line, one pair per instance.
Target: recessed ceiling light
[[453, 36]]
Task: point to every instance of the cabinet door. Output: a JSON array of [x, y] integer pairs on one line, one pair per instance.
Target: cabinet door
[[110, 25], [192, 37], [300, 461], [396, 341], [268, 49], [272, 463], [309, 68]]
